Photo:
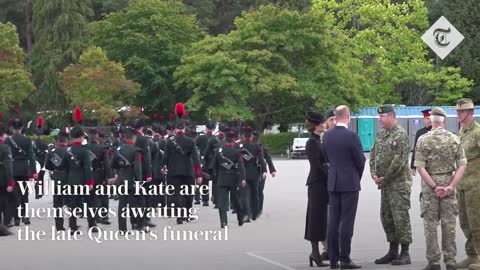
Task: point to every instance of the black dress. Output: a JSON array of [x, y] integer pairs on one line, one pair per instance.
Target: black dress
[[317, 209]]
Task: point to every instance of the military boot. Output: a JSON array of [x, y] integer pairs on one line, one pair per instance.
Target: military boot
[[432, 266], [467, 262], [404, 257], [391, 255]]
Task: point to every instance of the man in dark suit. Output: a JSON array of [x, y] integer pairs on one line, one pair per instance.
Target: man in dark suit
[[428, 126], [346, 163]]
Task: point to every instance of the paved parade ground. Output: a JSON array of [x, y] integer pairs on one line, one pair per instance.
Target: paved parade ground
[[275, 241]]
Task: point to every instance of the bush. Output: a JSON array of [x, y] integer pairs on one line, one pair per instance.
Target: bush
[[280, 142], [46, 139]]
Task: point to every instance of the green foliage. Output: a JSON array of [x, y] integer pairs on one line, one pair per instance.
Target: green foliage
[[59, 28], [278, 143], [149, 39], [99, 85], [276, 61], [383, 58], [19, 13], [103, 7], [298, 5], [15, 81]]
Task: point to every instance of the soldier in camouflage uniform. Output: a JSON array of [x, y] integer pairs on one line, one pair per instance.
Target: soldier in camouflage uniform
[[439, 153], [390, 171], [468, 191]]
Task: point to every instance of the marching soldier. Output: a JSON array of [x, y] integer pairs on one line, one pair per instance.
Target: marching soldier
[[77, 164], [53, 162], [202, 143], [145, 144], [102, 172], [24, 168], [469, 189], [40, 149], [228, 162], [254, 159], [427, 127], [127, 160], [6, 183], [389, 170], [439, 154], [182, 162], [271, 169], [214, 143]]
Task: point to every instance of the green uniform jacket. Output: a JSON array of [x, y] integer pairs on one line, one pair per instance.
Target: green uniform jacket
[[23, 158], [57, 173], [256, 164], [470, 139], [181, 156], [389, 158], [133, 172], [145, 144], [158, 151], [202, 142], [6, 166], [101, 165], [228, 177], [40, 149], [78, 165]]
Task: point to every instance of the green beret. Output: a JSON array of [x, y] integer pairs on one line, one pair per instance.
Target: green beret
[[465, 104], [438, 111], [385, 109]]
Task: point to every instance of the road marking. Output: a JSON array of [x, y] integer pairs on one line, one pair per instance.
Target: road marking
[[269, 261]]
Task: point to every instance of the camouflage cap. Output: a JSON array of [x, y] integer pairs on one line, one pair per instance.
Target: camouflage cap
[[465, 104], [385, 109], [438, 111]]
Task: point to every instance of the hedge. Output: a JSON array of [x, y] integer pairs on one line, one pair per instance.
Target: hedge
[[278, 143]]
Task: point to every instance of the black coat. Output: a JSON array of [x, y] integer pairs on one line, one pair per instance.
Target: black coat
[[317, 209], [419, 133]]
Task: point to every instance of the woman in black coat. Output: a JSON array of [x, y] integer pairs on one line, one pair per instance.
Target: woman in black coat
[[316, 221]]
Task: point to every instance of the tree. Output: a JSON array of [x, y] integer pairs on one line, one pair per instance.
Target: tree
[[59, 28], [19, 12], [15, 80], [98, 85], [149, 38], [275, 61], [464, 16], [103, 7], [299, 5], [384, 59]]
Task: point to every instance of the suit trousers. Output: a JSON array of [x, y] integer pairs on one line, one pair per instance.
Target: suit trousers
[[250, 198], [59, 202], [20, 198], [182, 201], [133, 201], [223, 195], [342, 213]]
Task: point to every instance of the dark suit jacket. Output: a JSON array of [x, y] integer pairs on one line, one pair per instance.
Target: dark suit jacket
[[346, 159]]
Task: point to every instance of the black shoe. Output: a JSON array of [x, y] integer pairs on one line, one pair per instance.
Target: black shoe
[[197, 202], [60, 229], [205, 203], [17, 222], [73, 231], [349, 265], [324, 256], [215, 207], [122, 232], [388, 258], [179, 221], [150, 224], [240, 223], [234, 211], [317, 261], [247, 220], [26, 221], [94, 229], [403, 259], [4, 231], [104, 221], [334, 265], [432, 266], [136, 227], [223, 225], [9, 225]]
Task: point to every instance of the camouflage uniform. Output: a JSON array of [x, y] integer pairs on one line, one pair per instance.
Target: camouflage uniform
[[469, 190], [389, 159], [439, 152]]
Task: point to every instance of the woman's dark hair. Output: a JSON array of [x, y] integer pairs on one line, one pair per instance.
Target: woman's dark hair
[[310, 126]]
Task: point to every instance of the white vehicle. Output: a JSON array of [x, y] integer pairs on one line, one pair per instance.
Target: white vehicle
[[298, 147]]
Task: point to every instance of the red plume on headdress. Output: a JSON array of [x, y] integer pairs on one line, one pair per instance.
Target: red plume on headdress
[[17, 110], [179, 109], [113, 121], [171, 116], [10, 121], [40, 122], [161, 118], [155, 116], [235, 120], [77, 115], [1, 115]]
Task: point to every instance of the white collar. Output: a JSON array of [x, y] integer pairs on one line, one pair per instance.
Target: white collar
[[342, 125]]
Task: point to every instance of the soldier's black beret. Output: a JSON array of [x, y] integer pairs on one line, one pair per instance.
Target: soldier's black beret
[[138, 123], [315, 117], [180, 124], [77, 132], [211, 125], [17, 123]]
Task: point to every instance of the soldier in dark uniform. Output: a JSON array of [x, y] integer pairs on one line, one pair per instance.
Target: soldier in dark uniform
[[254, 159], [77, 164], [145, 144], [158, 150], [214, 143], [127, 161], [427, 127], [102, 172], [228, 162], [170, 126], [6, 183], [271, 169], [202, 142], [40, 148], [24, 167], [53, 162], [182, 162]]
